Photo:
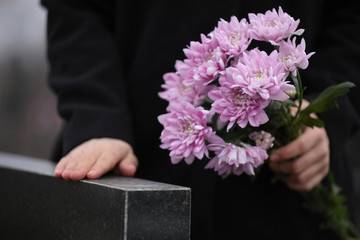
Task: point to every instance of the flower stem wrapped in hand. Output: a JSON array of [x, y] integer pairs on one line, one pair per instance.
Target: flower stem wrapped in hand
[[230, 103]]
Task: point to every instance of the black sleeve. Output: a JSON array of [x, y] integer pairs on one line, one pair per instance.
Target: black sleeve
[[337, 59], [85, 71]]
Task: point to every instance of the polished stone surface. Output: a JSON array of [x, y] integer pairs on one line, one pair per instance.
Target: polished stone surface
[[36, 205]]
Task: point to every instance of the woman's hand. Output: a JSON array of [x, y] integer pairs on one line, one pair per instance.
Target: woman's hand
[[94, 158], [306, 159]]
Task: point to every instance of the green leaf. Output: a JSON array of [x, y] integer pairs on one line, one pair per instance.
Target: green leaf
[[208, 100], [311, 122], [289, 103], [326, 100]]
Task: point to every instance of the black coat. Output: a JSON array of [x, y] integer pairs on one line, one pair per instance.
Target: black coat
[[107, 59]]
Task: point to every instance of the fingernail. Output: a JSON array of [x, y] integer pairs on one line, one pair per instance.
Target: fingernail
[[91, 172], [78, 172], [65, 173], [57, 172]]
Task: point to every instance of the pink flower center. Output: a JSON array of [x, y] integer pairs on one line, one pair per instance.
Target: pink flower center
[[288, 60], [235, 38], [185, 125], [188, 126], [259, 78], [238, 99], [210, 56], [272, 24], [184, 88]]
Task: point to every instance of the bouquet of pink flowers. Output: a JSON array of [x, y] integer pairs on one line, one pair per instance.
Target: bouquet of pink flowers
[[230, 103]]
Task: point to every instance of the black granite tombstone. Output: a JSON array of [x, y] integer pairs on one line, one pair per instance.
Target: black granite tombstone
[[36, 205]]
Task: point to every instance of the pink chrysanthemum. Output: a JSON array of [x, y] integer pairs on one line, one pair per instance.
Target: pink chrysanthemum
[[206, 60], [185, 132], [234, 105], [293, 56], [260, 74], [236, 159], [232, 36], [262, 139], [177, 91], [273, 26]]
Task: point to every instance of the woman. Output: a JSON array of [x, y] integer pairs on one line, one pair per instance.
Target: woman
[[107, 59]]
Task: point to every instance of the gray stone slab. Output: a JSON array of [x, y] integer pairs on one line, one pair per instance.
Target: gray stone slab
[[36, 205]]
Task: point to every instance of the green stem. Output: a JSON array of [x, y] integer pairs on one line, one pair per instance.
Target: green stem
[[300, 93], [323, 200], [330, 204]]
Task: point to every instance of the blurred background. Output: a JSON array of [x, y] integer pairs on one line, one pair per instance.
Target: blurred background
[[28, 118]]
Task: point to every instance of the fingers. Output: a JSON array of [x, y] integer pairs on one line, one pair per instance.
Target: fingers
[[73, 166], [82, 165], [96, 157], [68, 167], [128, 166], [305, 160], [103, 164], [60, 167], [300, 145], [308, 179], [108, 160], [296, 166]]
